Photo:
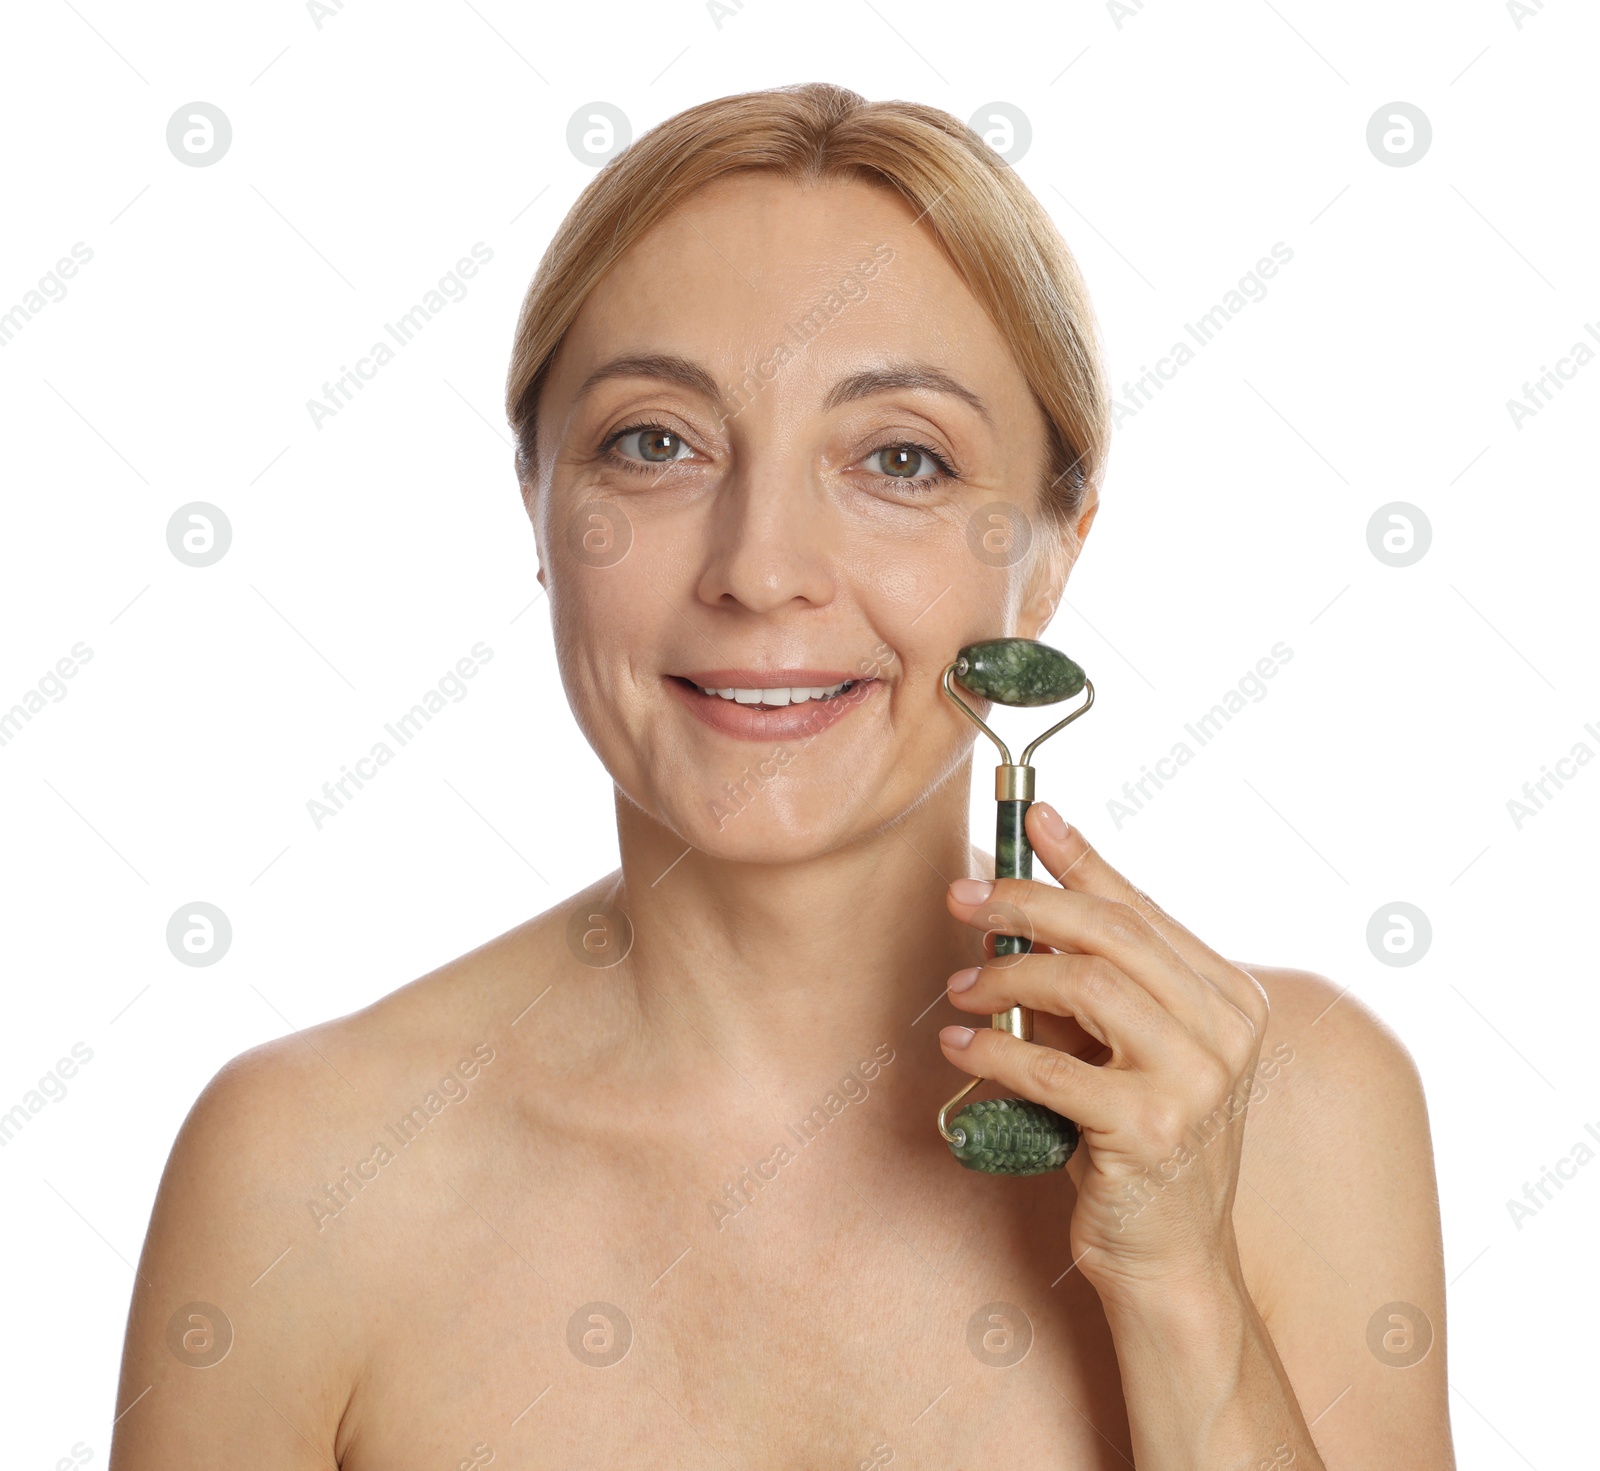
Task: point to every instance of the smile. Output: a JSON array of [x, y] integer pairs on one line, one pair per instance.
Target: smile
[[751, 706], [776, 699]]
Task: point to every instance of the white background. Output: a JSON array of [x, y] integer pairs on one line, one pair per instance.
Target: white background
[[1174, 149]]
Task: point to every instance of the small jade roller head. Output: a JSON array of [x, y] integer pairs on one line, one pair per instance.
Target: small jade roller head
[[1012, 1136], [1017, 671]]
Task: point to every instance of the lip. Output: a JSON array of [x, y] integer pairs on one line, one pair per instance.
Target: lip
[[767, 679], [750, 722]]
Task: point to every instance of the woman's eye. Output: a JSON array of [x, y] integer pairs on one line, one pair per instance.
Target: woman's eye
[[650, 445], [910, 462]]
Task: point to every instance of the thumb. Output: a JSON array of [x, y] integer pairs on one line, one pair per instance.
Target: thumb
[[1073, 864]]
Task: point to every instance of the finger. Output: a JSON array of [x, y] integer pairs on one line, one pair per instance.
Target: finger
[[1089, 925], [1073, 863], [1108, 1004], [1065, 1033], [1098, 1098]]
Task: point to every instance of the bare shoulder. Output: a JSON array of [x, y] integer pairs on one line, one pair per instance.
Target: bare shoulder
[[1343, 1088], [240, 1274], [1337, 1215]]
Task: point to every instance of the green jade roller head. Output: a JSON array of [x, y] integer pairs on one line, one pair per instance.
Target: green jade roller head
[[1012, 1136]]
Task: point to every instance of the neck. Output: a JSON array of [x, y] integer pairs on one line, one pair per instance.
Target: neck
[[790, 971]]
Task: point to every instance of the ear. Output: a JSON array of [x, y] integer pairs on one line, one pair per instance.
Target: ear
[[527, 491], [1053, 565], [1046, 582], [1086, 515]]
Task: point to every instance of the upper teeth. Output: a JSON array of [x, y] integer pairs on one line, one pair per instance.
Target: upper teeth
[[793, 695]]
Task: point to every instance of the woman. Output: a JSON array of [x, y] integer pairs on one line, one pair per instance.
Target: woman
[[653, 1177]]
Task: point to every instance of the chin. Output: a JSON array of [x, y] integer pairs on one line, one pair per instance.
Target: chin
[[755, 824]]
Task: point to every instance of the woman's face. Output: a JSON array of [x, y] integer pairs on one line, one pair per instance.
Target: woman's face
[[783, 449]]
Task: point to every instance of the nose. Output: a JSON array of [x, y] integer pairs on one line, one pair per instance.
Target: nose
[[769, 539]]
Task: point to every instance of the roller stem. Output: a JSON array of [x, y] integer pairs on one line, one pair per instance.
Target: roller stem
[[1013, 859]]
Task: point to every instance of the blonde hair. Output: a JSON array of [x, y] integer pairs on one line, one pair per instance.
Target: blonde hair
[[994, 231]]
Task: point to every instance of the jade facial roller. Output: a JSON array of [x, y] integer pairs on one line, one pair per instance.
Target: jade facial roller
[[1012, 1136]]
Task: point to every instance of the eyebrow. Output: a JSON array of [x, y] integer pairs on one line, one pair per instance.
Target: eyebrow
[[691, 375], [903, 375], [654, 365]]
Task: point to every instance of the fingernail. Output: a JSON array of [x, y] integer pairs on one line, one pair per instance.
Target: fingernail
[[971, 891], [1050, 820], [957, 1037], [964, 980]]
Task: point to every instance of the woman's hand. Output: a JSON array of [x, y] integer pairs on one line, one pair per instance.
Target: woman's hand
[[1155, 1066]]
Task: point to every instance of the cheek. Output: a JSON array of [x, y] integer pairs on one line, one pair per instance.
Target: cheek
[[926, 601], [604, 624]]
